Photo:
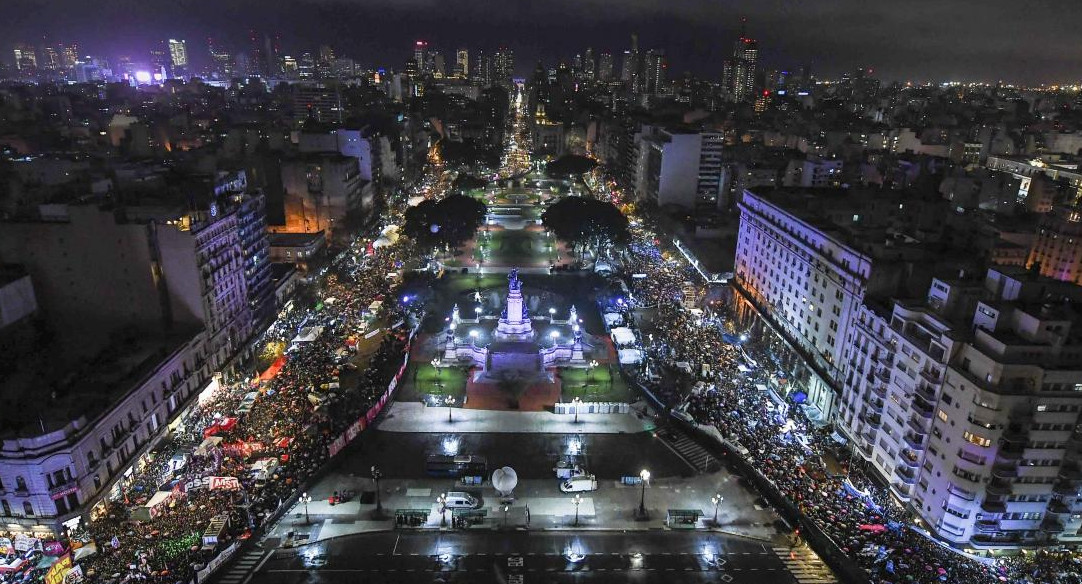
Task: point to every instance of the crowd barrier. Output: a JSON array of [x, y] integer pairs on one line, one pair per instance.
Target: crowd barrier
[[592, 408]]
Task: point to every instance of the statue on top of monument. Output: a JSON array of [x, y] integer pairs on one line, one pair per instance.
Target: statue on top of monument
[[513, 281]]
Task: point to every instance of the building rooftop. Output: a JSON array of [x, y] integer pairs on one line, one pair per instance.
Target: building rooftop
[[54, 383], [10, 273], [295, 239]]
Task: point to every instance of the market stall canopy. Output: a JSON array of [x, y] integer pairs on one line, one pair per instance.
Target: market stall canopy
[[630, 356], [623, 336]]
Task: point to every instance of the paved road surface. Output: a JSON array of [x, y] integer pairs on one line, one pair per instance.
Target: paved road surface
[[507, 558]]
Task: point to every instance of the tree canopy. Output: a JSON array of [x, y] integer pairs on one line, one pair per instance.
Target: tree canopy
[[465, 182], [569, 165], [586, 222], [450, 221]]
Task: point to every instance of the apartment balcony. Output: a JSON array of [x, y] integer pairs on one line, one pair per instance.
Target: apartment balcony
[[916, 442], [1004, 471], [910, 458], [918, 425], [994, 506], [64, 488], [1070, 473], [1066, 488], [930, 377], [883, 374], [986, 525], [927, 393], [1009, 454], [1059, 507], [998, 487], [923, 408], [875, 405], [878, 389], [1015, 434], [908, 475], [873, 420], [1052, 523]]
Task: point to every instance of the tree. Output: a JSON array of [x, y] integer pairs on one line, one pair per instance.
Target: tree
[[449, 222], [585, 222], [466, 182], [569, 165]]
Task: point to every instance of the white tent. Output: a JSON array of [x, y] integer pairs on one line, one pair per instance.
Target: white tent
[[207, 444], [623, 336], [613, 319], [630, 356]]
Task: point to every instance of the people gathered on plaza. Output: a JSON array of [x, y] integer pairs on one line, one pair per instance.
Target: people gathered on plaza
[[297, 413], [694, 365]]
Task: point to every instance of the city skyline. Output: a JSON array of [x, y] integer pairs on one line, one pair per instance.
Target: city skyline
[[919, 42]]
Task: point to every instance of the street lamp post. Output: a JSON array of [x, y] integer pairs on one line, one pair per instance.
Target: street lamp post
[[442, 502], [577, 500], [377, 474], [306, 498], [716, 500], [552, 315], [554, 335], [645, 476], [506, 508], [450, 402], [575, 402]]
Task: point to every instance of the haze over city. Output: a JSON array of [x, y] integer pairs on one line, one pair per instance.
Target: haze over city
[[405, 292]]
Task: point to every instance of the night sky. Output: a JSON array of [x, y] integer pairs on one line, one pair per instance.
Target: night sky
[[1024, 41]]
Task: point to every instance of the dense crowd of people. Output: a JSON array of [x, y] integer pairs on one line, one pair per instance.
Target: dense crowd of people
[[286, 432], [722, 389]]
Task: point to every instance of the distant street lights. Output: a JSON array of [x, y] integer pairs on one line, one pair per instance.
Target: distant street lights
[[645, 476], [716, 500], [306, 498]]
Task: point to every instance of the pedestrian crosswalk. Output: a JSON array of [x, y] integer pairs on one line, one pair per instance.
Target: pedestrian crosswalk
[[240, 571], [690, 450], [805, 565]]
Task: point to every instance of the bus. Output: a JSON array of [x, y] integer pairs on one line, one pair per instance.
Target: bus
[[442, 465]]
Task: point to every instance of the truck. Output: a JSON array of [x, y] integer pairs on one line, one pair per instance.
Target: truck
[[579, 484]]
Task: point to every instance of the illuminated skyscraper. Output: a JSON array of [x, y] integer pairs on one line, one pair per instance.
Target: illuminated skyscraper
[[604, 67], [654, 71], [504, 68], [224, 63], [178, 55], [741, 81], [26, 59], [420, 56], [462, 63]]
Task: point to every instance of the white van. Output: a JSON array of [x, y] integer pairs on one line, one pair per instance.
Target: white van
[[579, 484], [460, 500]]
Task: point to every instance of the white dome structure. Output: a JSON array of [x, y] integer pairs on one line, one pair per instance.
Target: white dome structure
[[504, 480]]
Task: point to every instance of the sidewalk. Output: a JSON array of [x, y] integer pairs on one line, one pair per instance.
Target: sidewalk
[[612, 507], [416, 417]]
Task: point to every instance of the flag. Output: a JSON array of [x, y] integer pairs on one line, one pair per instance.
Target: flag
[[115, 542]]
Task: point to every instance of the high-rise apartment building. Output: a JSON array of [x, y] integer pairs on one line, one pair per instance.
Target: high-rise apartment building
[[178, 55], [654, 67], [679, 167], [1057, 249], [26, 58], [745, 58], [967, 404], [503, 66], [462, 63], [420, 57], [605, 67], [157, 294]]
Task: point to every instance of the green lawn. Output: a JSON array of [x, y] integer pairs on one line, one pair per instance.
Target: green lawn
[[515, 246], [600, 387], [449, 381]]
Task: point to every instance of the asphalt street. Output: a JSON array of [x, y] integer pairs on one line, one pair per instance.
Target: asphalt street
[[548, 557], [403, 455]]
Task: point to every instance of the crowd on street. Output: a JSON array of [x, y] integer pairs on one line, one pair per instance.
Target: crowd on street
[[721, 387], [270, 447]]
